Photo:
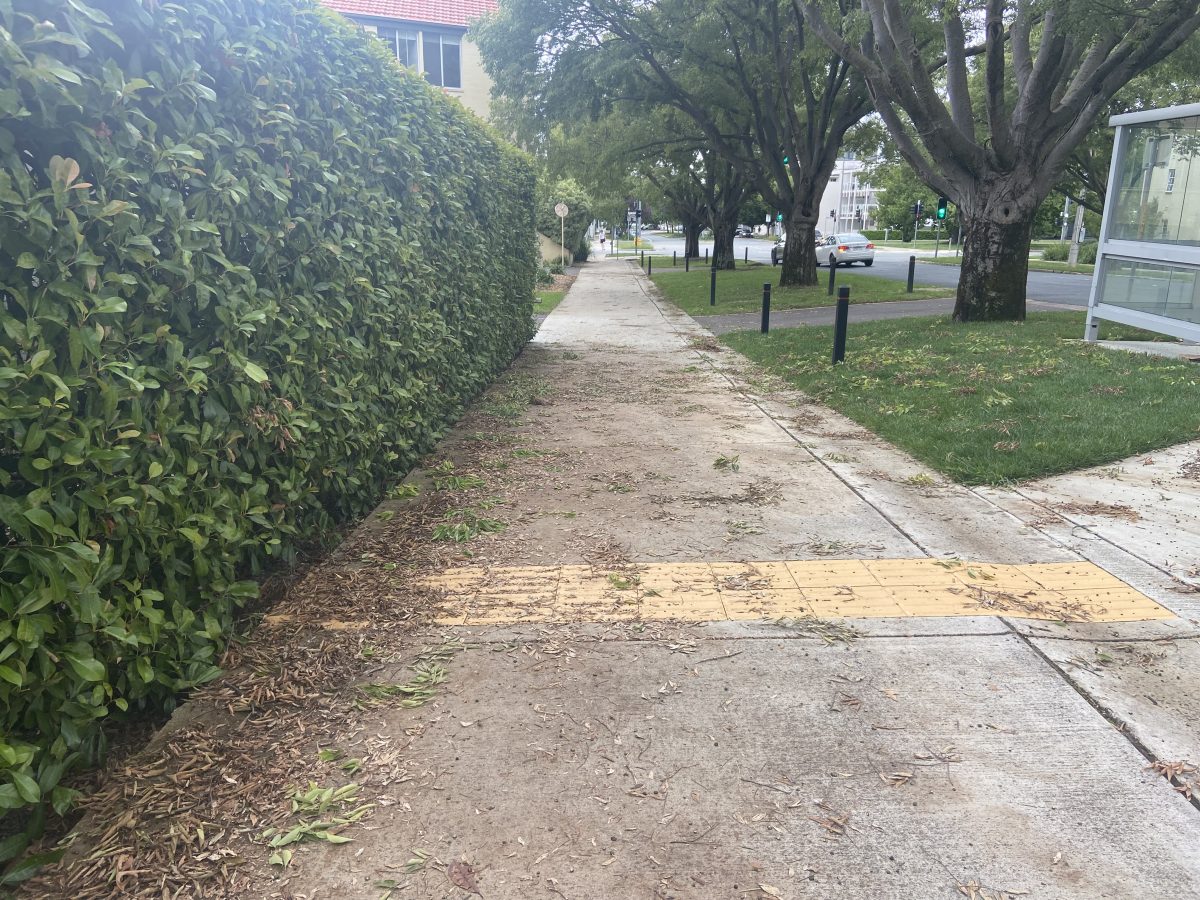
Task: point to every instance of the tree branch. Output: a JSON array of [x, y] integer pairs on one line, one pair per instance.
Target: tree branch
[[997, 113], [956, 70]]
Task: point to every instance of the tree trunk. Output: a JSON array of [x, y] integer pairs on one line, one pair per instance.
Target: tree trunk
[[799, 252], [723, 257], [691, 239], [995, 265]]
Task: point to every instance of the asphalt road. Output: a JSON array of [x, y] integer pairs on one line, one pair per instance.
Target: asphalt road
[[1050, 287]]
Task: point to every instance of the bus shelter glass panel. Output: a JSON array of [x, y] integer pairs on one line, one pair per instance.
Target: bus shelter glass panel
[[1158, 184], [1164, 290]]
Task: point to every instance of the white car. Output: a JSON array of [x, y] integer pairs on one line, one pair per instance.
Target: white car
[[777, 250], [845, 249]]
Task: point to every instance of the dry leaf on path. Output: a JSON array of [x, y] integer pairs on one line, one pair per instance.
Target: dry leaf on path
[[1181, 775], [973, 890], [835, 823], [770, 891], [461, 875]]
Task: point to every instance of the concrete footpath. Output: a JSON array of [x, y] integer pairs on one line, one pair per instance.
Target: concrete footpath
[[687, 634], [908, 756]]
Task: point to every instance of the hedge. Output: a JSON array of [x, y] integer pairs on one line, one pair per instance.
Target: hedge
[[250, 268], [1059, 251]]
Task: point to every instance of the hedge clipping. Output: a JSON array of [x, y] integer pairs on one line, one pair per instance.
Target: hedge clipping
[[251, 268]]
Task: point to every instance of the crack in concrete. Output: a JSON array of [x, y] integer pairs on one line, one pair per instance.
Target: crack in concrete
[[1122, 727]]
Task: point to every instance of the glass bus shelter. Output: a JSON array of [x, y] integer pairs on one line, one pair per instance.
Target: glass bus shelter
[[1148, 262]]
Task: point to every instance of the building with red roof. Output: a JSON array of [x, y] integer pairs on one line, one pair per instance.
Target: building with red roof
[[430, 36]]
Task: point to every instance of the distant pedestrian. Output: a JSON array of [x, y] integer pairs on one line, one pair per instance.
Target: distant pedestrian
[[603, 249]]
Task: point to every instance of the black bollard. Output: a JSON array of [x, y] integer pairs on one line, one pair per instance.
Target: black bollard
[[912, 271], [841, 317], [687, 263], [674, 258], [650, 265], [643, 261], [745, 254], [766, 308], [712, 287], [706, 256], [832, 276]]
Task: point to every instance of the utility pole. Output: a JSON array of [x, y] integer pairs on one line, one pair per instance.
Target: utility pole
[[1073, 253]]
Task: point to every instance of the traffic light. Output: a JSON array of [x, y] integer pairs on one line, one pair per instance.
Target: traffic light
[[942, 204], [917, 207]]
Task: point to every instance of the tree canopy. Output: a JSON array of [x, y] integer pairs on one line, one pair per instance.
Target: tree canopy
[[1047, 67]]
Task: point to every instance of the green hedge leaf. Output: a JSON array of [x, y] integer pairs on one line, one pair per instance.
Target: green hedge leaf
[[252, 269]]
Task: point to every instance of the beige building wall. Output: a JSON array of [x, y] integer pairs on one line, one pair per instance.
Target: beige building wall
[[476, 93], [553, 251]]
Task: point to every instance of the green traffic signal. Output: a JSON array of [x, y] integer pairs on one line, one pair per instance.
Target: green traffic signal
[[942, 204]]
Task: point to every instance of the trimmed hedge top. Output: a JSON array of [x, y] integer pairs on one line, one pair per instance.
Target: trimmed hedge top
[[249, 269]]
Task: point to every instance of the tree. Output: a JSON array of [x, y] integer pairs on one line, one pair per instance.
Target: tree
[[654, 153], [579, 213], [700, 186], [773, 104], [1049, 67], [899, 188]]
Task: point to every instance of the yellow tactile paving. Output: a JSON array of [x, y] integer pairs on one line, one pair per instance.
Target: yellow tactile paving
[[862, 601], [831, 573], [828, 588], [765, 605]]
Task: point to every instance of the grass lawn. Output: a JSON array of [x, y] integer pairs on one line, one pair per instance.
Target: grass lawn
[[741, 289], [544, 301], [1035, 265], [665, 263], [643, 244], [989, 403]]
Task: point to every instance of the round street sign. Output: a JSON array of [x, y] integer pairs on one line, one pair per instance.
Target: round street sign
[[561, 210]]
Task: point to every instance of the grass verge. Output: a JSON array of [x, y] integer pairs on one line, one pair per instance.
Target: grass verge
[[741, 290], [545, 301], [988, 403], [665, 265]]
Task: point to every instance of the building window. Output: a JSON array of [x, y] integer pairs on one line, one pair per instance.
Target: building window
[[442, 63], [436, 54], [1170, 180], [403, 44]]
